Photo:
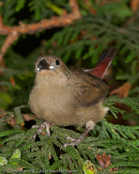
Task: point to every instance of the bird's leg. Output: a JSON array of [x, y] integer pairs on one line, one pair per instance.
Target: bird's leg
[[40, 127], [89, 126]]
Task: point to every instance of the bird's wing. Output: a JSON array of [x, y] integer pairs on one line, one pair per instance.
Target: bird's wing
[[88, 89]]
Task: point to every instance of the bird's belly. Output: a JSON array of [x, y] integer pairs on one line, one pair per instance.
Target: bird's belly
[[58, 107], [54, 106]]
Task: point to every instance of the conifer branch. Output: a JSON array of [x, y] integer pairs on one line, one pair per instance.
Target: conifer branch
[[14, 32]]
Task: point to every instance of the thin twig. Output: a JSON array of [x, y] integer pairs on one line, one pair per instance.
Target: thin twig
[[14, 32]]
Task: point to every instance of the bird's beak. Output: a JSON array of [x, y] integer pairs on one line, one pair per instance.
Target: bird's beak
[[44, 65], [51, 67]]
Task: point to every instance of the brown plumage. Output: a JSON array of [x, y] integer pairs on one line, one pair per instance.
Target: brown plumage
[[64, 97]]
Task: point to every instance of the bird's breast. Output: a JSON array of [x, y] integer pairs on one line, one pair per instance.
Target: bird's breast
[[53, 104]]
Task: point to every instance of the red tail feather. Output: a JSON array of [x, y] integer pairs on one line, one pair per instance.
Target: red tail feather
[[104, 62]]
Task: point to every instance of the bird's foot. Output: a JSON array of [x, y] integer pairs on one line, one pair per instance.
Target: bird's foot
[[74, 141], [40, 127]]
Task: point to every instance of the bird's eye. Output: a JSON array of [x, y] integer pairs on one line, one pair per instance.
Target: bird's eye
[[57, 62]]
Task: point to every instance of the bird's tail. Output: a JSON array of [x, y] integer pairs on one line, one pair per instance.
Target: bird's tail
[[104, 62]]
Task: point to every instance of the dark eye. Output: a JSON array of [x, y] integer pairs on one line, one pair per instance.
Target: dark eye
[[57, 62]]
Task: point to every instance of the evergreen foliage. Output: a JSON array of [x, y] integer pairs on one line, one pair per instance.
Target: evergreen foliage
[[122, 142], [78, 44]]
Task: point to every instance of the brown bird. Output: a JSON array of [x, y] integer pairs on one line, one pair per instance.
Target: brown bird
[[65, 97]]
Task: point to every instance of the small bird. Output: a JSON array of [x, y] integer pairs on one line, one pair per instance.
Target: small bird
[[66, 97]]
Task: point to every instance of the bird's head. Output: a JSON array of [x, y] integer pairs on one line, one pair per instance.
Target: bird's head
[[51, 65], [48, 63]]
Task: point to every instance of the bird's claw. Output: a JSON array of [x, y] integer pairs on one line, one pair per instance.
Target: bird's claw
[[70, 138], [40, 127], [74, 142], [35, 126]]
